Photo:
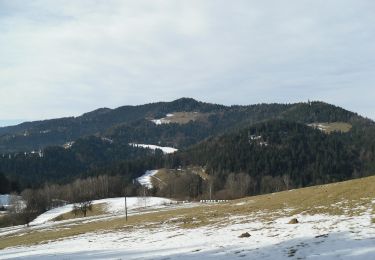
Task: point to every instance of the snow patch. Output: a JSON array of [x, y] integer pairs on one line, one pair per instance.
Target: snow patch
[[106, 139], [68, 145], [51, 214], [145, 179], [163, 120], [113, 206], [165, 149]]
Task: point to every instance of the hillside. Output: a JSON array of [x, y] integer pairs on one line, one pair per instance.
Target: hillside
[[133, 122], [212, 136], [30, 136], [292, 154], [332, 221]]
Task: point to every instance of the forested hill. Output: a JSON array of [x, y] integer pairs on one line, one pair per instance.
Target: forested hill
[[308, 143], [280, 151], [133, 123], [36, 135]]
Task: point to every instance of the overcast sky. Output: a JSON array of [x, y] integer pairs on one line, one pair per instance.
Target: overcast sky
[[63, 58]]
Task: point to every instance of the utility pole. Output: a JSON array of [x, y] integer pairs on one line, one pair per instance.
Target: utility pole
[[144, 195], [210, 190], [126, 208]]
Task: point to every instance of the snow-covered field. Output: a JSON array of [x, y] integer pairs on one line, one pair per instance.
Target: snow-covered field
[[163, 120], [335, 221], [113, 206], [165, 149], [315, 237]]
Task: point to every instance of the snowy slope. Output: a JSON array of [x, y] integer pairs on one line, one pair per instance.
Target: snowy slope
[[166, 150], [338, 222], [51, 214], [145, 179], [315, 237], [113, 206]]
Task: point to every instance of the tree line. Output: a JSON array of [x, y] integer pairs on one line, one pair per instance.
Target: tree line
[[32, 202]]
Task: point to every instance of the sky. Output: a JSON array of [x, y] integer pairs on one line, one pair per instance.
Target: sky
[[63, 58]]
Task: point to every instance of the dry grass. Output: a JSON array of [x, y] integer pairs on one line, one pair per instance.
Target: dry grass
[[186, 117], [66, 230], [97, 209], [2, 218], [339, 198], [163, 176], [332, 127], [160, 178]]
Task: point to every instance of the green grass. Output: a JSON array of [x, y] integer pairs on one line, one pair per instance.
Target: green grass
[[334, 199]]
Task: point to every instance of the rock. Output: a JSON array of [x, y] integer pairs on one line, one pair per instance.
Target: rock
[[293, 221], [320, 236], [246, 234]]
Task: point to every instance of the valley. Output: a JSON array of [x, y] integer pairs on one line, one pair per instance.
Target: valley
[[201, 180], [187, 130]]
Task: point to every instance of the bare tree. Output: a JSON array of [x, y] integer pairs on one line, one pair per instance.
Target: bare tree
[[16, 204], [83, 196], [238, 185], [286, 180], [271, 184], [82, 207], [35, 204]]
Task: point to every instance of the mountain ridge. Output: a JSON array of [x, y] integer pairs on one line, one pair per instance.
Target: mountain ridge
[[37, 135]]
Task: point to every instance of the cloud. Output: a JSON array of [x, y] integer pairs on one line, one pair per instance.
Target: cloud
[[64, 58]]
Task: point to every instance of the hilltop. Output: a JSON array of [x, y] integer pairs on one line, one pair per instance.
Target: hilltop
[[183, 113]]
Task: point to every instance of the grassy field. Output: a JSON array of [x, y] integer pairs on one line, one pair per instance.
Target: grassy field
[[351, 198], [185, 117], [163, 176], [96, 210]]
